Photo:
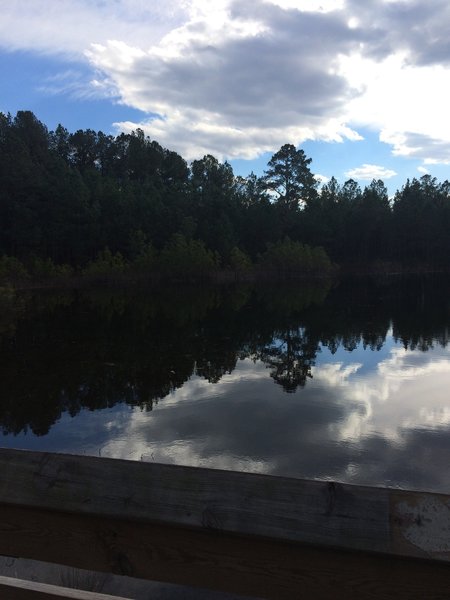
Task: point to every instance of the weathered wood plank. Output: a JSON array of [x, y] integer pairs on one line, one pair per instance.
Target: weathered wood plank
[[251, 534], [314, 512], [19, 589], [258, 567], [420, 524], [290, 509]]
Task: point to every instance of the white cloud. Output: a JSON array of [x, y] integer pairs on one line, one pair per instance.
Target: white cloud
[[236, 86], [70, 26], [369, 172], [403, 71], [423, 170], [406, 103], [309, 5], [238, 79], [322, 179], [75, 84]]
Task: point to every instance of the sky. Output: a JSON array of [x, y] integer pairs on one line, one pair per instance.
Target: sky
[[362, 86]]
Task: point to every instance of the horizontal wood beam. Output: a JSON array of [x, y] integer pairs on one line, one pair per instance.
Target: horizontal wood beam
[[244, 565], [243, 533], [19, 589]]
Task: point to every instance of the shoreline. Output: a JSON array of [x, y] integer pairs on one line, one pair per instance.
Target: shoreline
[[221, 277]]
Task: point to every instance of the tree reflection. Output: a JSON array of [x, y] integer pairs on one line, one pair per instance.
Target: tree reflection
[[290, 358], [91, 350]]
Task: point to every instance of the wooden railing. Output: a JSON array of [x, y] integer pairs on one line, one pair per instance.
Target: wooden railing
[[259, 535], [17, 589]]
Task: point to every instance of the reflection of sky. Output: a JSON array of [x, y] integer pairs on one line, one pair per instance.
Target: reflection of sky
[[363, 356], [378, 418]]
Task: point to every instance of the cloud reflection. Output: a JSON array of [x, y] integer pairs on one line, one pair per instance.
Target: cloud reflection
[[406, 391], [389, 426], [385, 425]]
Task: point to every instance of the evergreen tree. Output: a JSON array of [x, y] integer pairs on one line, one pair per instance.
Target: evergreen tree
[[289, 178]]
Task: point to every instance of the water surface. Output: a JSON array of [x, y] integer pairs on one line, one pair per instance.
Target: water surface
[[347, 382]]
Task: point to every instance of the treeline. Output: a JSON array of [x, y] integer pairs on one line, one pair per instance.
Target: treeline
[[89, 202]]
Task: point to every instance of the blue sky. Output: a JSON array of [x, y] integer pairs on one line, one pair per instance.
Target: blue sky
[[363, 88]]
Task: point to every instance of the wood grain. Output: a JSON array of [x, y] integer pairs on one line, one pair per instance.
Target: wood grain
[[265, 536], [289, 509], [258, 567], [19, 589]]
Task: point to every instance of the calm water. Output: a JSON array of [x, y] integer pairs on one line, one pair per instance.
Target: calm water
[[347, 382]]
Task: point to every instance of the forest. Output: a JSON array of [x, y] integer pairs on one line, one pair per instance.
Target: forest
[[93, 204]]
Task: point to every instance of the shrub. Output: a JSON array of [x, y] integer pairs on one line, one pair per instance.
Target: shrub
[[239, 260], [289, 258], [187, 259], [45, 268], [11, 269], [106, 264]]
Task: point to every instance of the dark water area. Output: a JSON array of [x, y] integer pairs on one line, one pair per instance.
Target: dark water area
[[346, 382]]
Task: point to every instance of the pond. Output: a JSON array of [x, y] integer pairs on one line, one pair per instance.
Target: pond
[[340, 381]]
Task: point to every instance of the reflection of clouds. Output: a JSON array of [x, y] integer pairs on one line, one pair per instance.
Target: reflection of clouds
[[408, 364], [388, 426], [179, 430], [336, 374], [192, 453], [407, 391], [198, 389], [400, 433], [432, 417], [385, 426], [243, 424]]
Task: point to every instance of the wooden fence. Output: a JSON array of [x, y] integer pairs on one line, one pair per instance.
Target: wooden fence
[[259, 535]]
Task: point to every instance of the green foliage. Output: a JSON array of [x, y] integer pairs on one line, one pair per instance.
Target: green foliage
[[292, 258], [146, 259], [290, 178], [320, 260], [106, 264], [239, 260], [421, 219], [66, 196], [187, 259], [45, 268], [11, 269], [10, 308], [138, 243]]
